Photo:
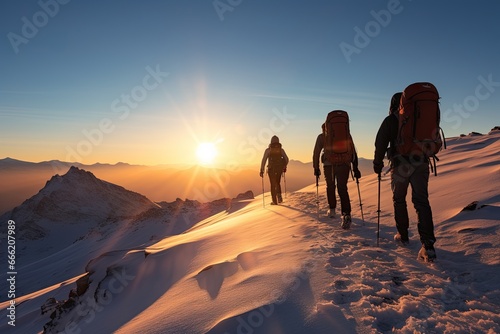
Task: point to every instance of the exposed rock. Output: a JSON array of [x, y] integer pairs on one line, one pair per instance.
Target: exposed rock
[[246, 195], [470, 207]]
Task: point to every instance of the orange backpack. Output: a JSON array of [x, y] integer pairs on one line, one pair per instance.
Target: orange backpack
[[419, 132], [338, 145]]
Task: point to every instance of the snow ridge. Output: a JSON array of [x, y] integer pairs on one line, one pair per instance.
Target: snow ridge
[[255, 269]]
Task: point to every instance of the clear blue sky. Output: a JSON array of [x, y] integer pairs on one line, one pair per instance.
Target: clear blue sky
[[145, 81]]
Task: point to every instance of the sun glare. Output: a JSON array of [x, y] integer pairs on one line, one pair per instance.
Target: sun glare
[[206, 153]]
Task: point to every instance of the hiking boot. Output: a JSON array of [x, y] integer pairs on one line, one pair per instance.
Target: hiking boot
[[331, 213], [427, 253], [346, 221], [400, 240]]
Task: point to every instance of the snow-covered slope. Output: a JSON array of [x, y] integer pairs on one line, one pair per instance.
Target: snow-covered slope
[[76, 217], [72, 207], [286, 269]]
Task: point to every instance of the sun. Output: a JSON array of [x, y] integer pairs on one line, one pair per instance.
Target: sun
[[206, 153]]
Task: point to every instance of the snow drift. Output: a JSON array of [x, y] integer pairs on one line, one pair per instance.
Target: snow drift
[[289, 269]]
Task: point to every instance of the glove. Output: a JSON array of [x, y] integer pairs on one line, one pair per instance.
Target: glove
[[377, 167], [317, 172], [261, 174], [284, 169], [357, 173]]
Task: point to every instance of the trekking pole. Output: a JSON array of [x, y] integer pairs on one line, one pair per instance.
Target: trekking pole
[[284, 178], [359, 195], [263, 203], [317, 195], [378, 210], [360, 203]]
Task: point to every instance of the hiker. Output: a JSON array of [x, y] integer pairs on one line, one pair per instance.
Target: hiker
[[405, 170], [337, 171], [277, 162]]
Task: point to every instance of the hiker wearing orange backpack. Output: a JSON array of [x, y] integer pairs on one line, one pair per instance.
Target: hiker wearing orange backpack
[[410, 137], [338, 155]]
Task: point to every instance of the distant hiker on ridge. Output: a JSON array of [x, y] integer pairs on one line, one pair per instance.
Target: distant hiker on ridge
[[338, 155], [406, 169], [278, 160]]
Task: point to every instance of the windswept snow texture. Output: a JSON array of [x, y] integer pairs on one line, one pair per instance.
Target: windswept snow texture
[[289, 268]]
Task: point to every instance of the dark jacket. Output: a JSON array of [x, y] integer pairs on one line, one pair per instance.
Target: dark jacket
[[386, 139], [387, 135], [318, 148], [266, 157], [386, 142]]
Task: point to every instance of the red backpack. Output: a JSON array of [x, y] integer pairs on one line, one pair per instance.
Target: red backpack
[[338, 145], [419, 132]]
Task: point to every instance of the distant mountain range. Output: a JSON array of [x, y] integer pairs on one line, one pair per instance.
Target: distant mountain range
[[21, 179]]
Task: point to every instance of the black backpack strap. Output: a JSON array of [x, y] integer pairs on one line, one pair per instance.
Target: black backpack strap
[[433, 164]]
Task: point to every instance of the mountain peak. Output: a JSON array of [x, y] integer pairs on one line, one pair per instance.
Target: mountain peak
[[79, 173], [74, 169], [80, 197], [75, 178]]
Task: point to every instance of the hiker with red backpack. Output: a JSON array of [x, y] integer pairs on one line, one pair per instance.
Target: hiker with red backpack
[[277, 162], [338, 154], [410, 137]]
